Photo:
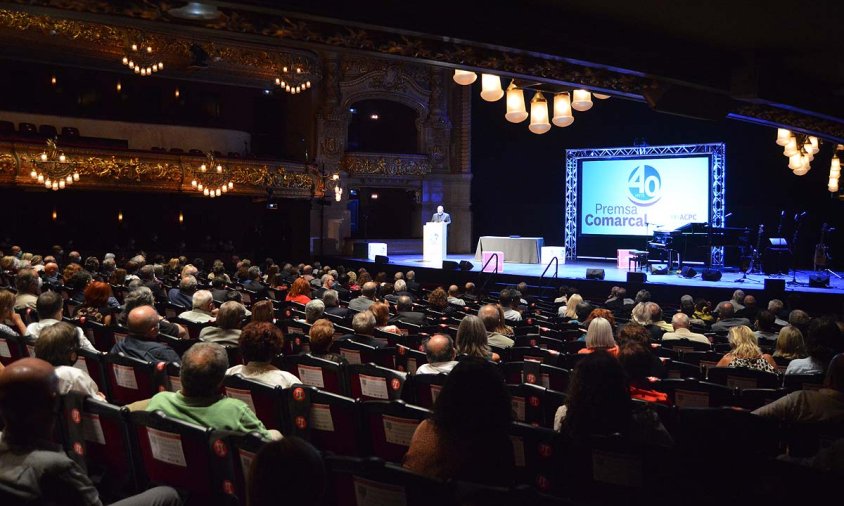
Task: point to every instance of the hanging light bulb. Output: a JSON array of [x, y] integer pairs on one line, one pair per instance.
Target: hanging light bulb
[[795, 161], [791, 147], [491, 87], [516, 112], [464, 77], [181, 217], [539, 114], [581, 100], [563, 116], [835, 167], [783, 136], [815, 144]]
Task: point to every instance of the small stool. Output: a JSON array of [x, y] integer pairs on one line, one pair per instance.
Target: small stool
[[492, 266]]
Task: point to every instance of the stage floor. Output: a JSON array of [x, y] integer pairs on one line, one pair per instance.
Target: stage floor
[[577, 271]]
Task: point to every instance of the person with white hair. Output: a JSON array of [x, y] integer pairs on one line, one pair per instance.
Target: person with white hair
[[314, 310], [599, 337], [681, 324], [202, 305]]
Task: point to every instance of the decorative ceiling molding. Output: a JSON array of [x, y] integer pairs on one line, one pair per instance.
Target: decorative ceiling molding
[[385, 164], [243, 22], [131, 171]]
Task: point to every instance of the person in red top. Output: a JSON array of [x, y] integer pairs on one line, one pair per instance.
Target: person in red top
[[636, 361], [299, 292]]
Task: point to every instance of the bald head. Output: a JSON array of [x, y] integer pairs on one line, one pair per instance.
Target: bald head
[[143, 322], [28, 389], [453, 290], [368, 289], [51, 268], [440, 348], [727, 310], [680, 321], [490, 316]]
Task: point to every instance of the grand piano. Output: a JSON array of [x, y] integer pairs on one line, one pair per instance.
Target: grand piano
[[692, 242]]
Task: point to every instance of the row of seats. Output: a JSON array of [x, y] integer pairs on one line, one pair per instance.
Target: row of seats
[[7, 129]]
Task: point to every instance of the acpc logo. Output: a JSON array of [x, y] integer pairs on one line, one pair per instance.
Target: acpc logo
[[644, 185]]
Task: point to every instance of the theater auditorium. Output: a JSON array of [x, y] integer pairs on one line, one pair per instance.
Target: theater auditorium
[[403, 253]]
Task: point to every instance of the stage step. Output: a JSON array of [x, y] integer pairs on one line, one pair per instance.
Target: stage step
[[398, 246]]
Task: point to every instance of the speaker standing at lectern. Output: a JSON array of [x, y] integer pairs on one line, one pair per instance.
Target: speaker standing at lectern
[[440, 216]]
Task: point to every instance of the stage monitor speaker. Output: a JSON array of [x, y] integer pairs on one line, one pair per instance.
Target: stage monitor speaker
[[637, 277], [711, 275], [466, 265], [688, 272], [449, 265], [594, 273], [659, 270], [774, 285], [819, 280], [381, 259], [688, 102]]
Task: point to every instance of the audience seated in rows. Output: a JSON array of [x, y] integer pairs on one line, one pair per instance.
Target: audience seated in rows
[[491, 317], [599, 337], [472, 339], [50, 307], [809, 406], [142, 296], [405, 312], [790, 344], [681, 324], [823, 340], [226, 328], [202, 308], [745, 352], [321, 340], [10, 322], [59, 345], [143, 323]]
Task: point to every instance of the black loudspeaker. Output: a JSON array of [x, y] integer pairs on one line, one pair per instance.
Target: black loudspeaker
[[688, 272], [466, 265], [381, 259], [637, 277], [819, 280], [711, 275], [449, 265], [775, 285], [659, 270], [594, 273]]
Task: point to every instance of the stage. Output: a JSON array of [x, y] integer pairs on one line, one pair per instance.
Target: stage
[[574, 273]]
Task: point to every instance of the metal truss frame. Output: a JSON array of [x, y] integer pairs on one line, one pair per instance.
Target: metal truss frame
[[717, 165]]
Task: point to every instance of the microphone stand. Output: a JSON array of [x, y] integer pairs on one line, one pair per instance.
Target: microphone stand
[[792, 249]]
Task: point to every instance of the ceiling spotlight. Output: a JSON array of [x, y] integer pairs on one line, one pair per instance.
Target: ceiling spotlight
[[196, 11]]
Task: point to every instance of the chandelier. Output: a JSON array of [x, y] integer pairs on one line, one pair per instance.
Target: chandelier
[[293, 79], [210, 180], [53, 169], [799, 148], [141, 60], [565, 100]]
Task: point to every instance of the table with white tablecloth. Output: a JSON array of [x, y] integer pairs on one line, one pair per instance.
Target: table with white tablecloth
[[523, 250]]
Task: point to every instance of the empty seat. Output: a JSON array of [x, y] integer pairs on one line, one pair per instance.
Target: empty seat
[[317, 372], [27, 129], [7, 128], [70, 132], [131, 380], [194, 151], [741, 378], [370, 381], [423, 389], [388, 426]]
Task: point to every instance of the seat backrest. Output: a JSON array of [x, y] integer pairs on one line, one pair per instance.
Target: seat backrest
[[70, 132], [323, 374], [369, 381], [359, 353], [533, 454], [48, 131], [424, 389], [266, 401], [408, 359], [686, 393], [792, 382], [183, 455], [96, 434], [388, 426], [741, 378], [528, 403], [93, 363], [131, 380], [11, 348], [244, 448], [334, 422]]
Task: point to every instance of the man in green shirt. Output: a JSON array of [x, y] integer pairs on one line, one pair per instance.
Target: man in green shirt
[[199, 401]]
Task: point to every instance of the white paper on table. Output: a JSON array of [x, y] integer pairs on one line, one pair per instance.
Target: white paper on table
[[125, 376], [321, 417], [373, 386], [166, 447], [311, 376], [92, 429], [373, 493], [241, 395], [399, 431]]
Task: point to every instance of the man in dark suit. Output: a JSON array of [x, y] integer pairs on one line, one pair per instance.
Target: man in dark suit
[[406, 314], [440, 216], [332, 306], [363, 325], [412, 285]]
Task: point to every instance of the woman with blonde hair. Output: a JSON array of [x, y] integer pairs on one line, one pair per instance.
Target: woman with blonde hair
[[790, 344], [570, 309], [599, 337], [746, 353]]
